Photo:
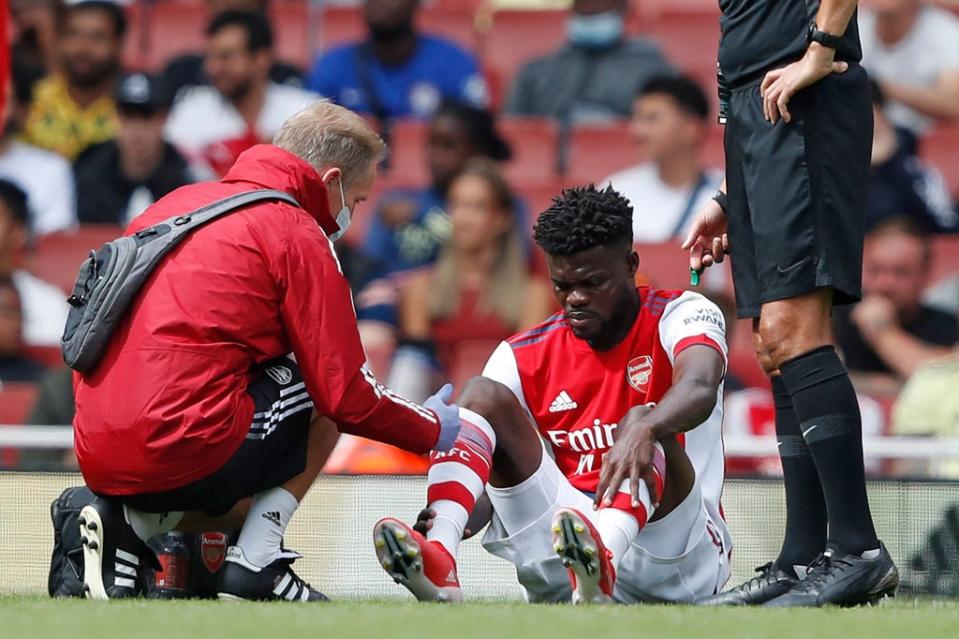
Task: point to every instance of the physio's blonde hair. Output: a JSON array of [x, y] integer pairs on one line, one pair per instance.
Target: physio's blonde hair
[[325, 135]]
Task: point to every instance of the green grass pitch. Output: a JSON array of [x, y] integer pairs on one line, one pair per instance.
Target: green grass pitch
[[38, 617]]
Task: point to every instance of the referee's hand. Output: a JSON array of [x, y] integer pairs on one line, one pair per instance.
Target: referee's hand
[[707, 241], [780, 85]]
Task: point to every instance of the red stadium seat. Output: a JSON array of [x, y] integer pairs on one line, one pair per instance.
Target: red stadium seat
[[15, 403], [516, 37], [598, 150], [713, 154], [291, 32], [342, 25], [16, 399], [664, 265], [945, 257], [690, 39], [408, 151], [59, 255], [537, 196], [535, 145], [159, 31], [47, 355], [940, 148]]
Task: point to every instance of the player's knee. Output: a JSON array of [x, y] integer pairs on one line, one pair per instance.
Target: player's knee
[[487, 398]]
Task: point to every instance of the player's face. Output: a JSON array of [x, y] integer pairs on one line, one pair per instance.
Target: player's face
[[596, 290], [894, 267], [90, 48]]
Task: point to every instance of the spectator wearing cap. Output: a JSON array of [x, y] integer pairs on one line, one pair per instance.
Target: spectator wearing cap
[[44, 305], [596, 73], [212, 125], [74, 108], [117, 180], [46, 177], [670, 124], [397, 71], [187, 70]]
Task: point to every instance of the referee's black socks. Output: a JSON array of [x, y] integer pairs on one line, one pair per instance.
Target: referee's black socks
[[805, 507], [825, 404]]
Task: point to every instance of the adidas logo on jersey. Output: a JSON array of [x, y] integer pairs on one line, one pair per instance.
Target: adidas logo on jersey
[[562, 403], [273, 515]]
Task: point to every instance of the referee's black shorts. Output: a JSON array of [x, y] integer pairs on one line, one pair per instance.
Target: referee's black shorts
[[273, 452], [797, 191]]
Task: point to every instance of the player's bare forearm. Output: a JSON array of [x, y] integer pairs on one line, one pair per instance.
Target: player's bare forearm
[[697, 374]]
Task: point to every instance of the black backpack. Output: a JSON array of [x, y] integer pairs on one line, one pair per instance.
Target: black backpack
[[110, 278]]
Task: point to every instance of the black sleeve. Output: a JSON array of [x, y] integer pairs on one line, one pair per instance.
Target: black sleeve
[[101, 196]]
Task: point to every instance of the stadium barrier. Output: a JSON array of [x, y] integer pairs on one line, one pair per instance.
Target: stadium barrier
[[333, 530]]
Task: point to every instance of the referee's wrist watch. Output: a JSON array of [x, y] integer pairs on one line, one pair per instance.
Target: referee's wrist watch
[[813, 34]]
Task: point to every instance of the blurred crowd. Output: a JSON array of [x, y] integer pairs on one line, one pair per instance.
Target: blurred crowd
[[485, 123]]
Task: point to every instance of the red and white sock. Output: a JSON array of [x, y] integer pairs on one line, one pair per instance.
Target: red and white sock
[[619, 523], [457, 478]]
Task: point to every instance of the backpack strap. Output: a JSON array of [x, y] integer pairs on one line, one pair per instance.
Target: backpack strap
[[184, 223]]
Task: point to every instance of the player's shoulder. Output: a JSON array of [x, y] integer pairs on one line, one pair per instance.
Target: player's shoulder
[[549, 330], [656, 300]]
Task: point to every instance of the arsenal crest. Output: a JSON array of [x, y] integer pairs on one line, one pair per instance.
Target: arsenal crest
[[213, 550], [638, 371]]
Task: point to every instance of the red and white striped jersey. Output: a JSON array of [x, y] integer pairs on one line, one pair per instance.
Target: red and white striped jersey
[[576, 395]]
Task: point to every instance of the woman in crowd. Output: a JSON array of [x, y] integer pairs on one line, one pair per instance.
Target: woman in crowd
[[480, 291]]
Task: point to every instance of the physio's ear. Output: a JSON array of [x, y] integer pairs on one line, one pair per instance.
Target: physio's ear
[[330, 175]]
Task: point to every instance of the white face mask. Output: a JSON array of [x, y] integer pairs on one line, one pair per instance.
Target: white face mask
[[344, 217]]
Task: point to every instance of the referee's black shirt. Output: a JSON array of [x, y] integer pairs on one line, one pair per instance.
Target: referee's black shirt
[[758, 35]]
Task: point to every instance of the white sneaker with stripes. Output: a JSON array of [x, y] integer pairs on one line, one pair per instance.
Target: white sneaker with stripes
[[241, 580]]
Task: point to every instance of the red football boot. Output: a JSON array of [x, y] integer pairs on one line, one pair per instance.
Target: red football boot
[[424, 567], [589, 563]]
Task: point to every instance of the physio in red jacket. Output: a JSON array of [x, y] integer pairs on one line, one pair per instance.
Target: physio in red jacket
[[236, 367]]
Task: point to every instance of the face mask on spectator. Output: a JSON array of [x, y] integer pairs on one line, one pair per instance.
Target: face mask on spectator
[[596, 31], [344, 217]]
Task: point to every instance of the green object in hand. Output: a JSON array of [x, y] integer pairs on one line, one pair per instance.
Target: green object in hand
[[693, 277]]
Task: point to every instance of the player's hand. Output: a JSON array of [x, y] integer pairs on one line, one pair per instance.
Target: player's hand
[[448, 414], [780, 85], [482, 512], [707, 241], [631, 457]]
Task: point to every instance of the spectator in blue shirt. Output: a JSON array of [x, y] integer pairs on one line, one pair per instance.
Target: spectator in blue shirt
[[397, 72]]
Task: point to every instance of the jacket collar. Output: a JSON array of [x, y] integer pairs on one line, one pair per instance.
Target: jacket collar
[[274, 168]]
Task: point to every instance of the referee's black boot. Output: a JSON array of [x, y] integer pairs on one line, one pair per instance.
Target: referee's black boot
[[842, 579], [239, 579], [113, 555], [770, 583]]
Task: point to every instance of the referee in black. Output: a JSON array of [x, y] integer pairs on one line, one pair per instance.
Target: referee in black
[[791, 214]]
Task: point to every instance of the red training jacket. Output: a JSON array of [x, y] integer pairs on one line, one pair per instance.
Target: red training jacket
[[167, 405]]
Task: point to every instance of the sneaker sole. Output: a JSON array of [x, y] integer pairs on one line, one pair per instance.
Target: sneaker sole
[[577, 549], [402, 559], [225, 596], [91, 535]]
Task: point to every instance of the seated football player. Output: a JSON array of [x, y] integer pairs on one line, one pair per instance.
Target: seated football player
[[595, 437]]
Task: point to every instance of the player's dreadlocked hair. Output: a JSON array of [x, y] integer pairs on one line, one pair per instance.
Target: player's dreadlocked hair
[[584, 217]]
